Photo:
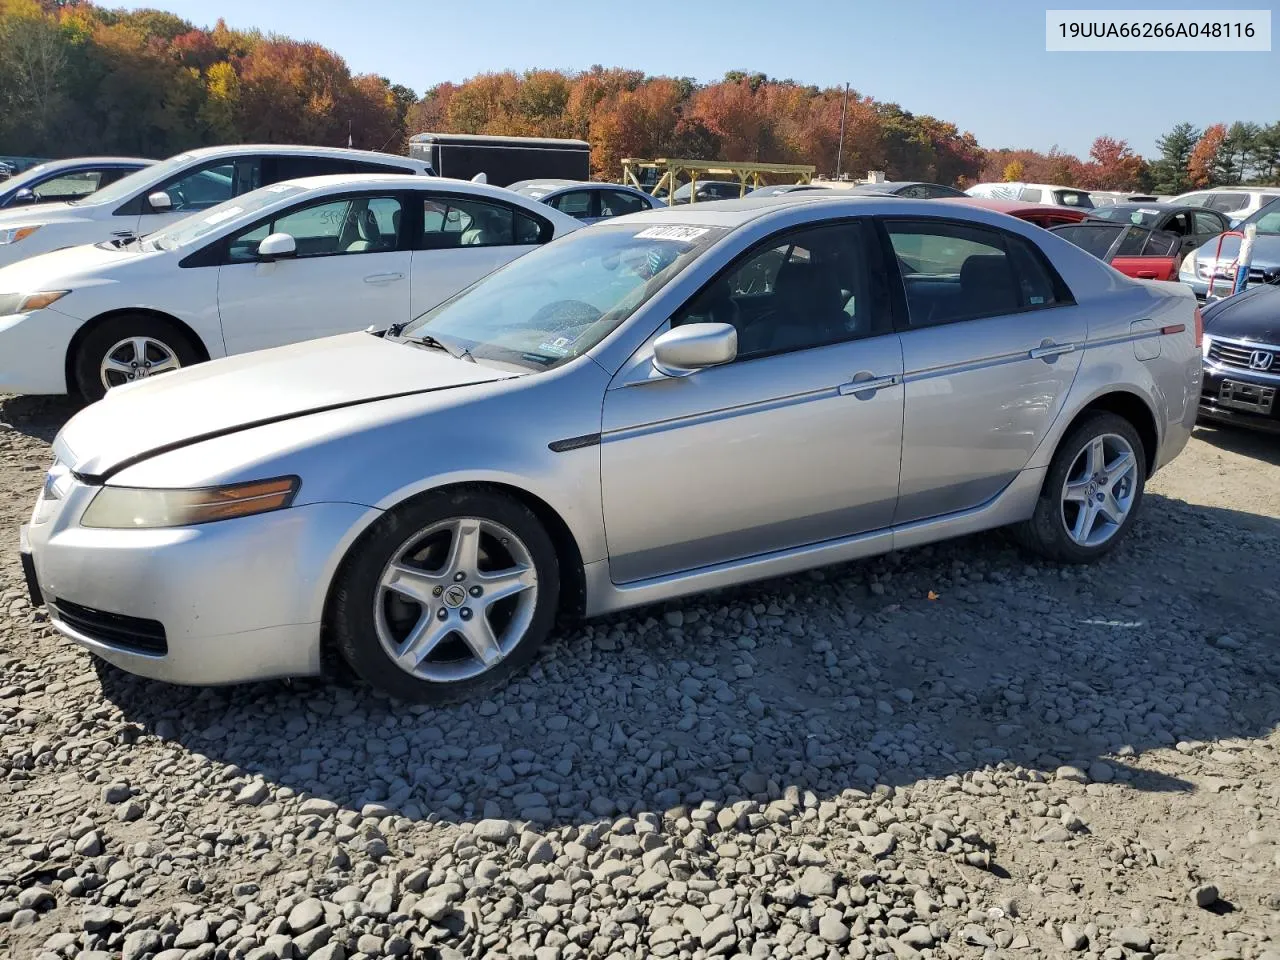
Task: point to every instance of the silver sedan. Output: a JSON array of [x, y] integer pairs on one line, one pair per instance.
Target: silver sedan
[[663, 404]]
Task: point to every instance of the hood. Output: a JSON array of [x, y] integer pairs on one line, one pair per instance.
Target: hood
[[61, 268], [43, 213], [213, 399], [1251, 315], [1266, 250]]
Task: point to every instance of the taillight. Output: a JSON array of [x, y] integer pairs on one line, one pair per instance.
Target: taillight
[[1199, 328]]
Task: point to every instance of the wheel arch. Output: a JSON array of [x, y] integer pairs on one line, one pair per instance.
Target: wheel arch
[[86, 328], [572, 600], [1130, 406]]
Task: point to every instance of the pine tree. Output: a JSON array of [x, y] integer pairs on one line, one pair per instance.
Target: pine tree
[[1170, 171]]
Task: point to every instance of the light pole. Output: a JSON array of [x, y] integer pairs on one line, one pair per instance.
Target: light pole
[[844, 106]]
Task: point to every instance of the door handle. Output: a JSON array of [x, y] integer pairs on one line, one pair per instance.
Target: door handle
[[1146, 274], [1049, 351], [866, 387], [383, 277]]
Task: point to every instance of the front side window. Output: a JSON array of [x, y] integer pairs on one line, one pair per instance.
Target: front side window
[[557, 302], [325, 229], [197, 226], [808, 288], [1208, 224], [616, 203], [953, 272], [200, 189], [69, 186]]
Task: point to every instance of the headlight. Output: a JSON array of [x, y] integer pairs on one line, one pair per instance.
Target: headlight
[[132, 508], [14, 234], [1188, 268], [11, 303]]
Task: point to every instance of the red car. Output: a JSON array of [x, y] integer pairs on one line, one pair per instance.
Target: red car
[[1134, 250], [1041, 214]]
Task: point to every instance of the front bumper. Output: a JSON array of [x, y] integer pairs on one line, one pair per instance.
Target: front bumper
[[226, 602], [1214, 409], [33, 351]]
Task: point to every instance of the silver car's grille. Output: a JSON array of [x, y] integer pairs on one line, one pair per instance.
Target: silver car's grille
[[1226, 353]]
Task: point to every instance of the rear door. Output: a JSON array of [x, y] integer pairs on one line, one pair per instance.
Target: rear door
[[991, 341], [463, 238], [351, 271]]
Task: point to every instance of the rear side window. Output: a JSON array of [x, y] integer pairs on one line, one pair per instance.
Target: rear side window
[[1073, 198], [953, 272], [363, 166], [1228, 202], [291, 168], [575, 203], [1031, 195], [614, 203], [449, 222], [1094, 238]]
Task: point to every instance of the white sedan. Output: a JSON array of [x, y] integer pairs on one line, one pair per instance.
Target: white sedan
[[289, 262]]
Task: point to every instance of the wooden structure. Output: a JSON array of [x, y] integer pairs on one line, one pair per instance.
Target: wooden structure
[[663, 175]]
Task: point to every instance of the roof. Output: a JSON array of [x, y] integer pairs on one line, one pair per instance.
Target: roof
[[731, 214], [86, 161], [346, 153], [1161, 206], [411, 183], [504, 141]]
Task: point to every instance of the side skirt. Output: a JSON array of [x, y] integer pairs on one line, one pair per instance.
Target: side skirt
[[1014, 503]]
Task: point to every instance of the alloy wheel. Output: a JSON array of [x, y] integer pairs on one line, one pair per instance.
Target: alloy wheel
[[455, 599], [1099, 490], [135, 359]]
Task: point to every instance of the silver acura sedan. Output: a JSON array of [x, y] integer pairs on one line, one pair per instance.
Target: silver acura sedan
[[651, 407]]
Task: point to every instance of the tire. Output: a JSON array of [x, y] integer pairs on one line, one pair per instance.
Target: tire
[[1054, 530], [402, 579], [161, 341]]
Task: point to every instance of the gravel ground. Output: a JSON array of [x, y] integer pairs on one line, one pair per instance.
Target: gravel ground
[[950, 752]]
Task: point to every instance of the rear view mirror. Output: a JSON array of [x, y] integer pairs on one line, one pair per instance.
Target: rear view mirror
[[278, 246], [689, 348], [160, 202]]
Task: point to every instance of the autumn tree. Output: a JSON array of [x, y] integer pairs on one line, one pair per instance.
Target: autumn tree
[[1201, 165], [1114, 166], [1012, 172]]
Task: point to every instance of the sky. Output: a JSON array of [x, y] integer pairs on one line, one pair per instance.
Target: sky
[[981, 65]]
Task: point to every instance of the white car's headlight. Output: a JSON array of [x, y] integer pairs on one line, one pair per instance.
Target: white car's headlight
[[135, 508], [1188, 268], [14, 234], [11, 303]]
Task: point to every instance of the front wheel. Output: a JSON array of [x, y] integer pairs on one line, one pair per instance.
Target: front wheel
[[1091, 494], [447, 596], [130, 347]]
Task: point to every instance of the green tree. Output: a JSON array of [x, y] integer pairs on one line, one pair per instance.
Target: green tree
[[1169, 173]]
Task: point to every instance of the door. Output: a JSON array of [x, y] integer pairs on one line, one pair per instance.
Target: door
[[991, 345], [462, 239], [582, 205], [351, 271], [1147, 254], [795, 442]]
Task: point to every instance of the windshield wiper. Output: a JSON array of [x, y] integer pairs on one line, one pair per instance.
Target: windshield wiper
[[426, 340]]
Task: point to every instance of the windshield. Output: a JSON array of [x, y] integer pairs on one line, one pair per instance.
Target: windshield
[[559, 301], [126, 187], [192, 228], [1267, 219], [1143, 216]]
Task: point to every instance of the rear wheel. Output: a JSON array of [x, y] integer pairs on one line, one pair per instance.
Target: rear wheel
[[1091, 494], [127, 348], [447, 596]]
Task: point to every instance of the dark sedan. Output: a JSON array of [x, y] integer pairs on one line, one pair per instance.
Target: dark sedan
[[1242, 358], [1195, 225]]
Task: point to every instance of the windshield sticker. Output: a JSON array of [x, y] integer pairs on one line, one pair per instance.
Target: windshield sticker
[[682, 234], [227, 214], [559, 347], [280, 188]]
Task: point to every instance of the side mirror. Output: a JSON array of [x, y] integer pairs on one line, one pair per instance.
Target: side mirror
[[160, 202], [23, 198], [689, 348], [278, 246]]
